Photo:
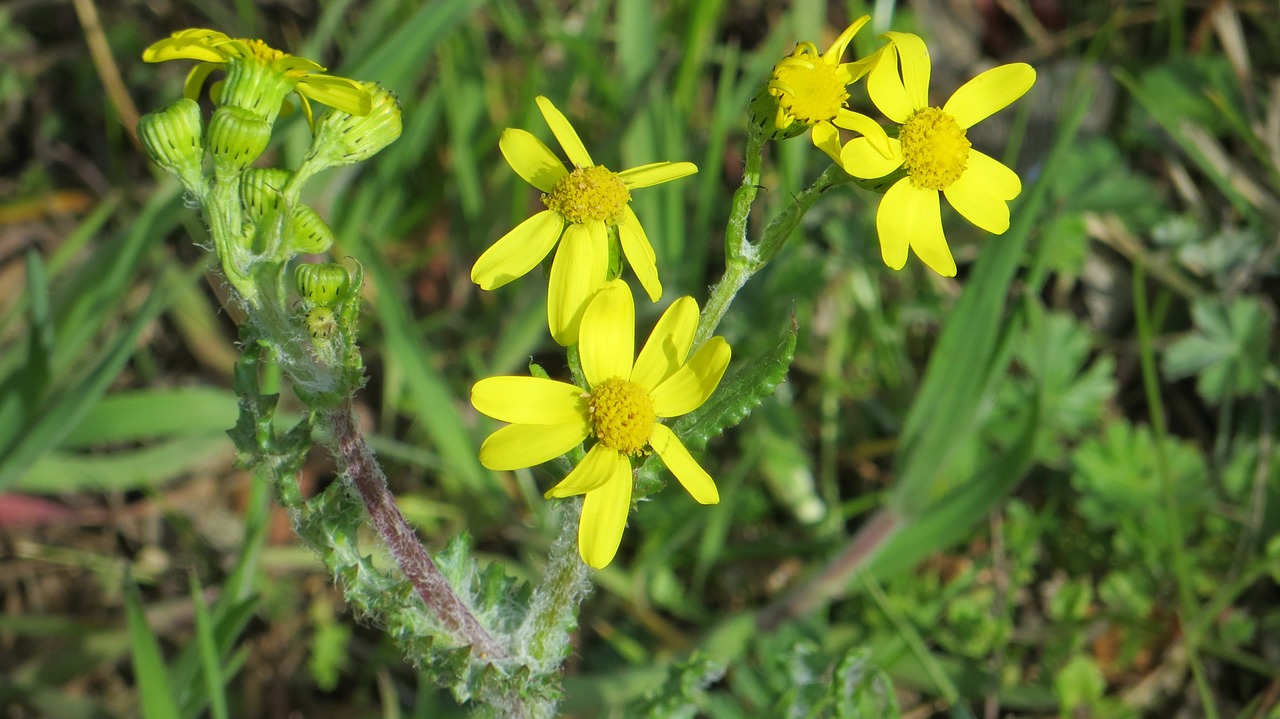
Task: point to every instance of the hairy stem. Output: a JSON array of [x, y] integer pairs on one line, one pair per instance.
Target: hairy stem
[[565, 581]]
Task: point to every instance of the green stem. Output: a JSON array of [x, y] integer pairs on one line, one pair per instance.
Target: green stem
[[553, 609]]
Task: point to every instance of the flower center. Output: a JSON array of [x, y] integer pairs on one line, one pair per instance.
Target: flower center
[[622, 416], [807, 88], [589, 193], [263, 51], [934, 149]]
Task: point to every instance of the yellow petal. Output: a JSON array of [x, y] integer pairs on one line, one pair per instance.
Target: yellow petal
[[668, 344], [639, 253], [884, 86], [860, 159], [524, 445], [973, 199], [656, 173], [676, 456], [565, 134], [577, 271], [999, 180], [688, 387], [989, 92], [914, 56], [836, 51], [529, 400], [604, 516], [606, 344], [195, 79], [189, 47], [516, 252], [865, 126], [339, 93], [827, 138], [911, 216], [599, 466], [531, 159], [855, 70]]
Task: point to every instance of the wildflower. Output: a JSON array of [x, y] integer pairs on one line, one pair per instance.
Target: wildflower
[[584, 204], [812, 89], [932, 148], [620, 410], [259, 77]]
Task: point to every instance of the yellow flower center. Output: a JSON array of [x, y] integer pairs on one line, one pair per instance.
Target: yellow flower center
[[807, 88], [934, 149], [589, 193], [622, 415], [263, 51]]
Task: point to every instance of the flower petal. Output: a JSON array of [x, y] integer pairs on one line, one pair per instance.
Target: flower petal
[[524, 445], [639, 253], [606, 344], [604, 516], [861, 159], [884, 86], [188, 44], [1000, 180], [688, 387], [676, 456], [910, 216], [827, 138], [913, 54], [531, 159], [668, 345], [599, 466], [340, 93], [516, 252], [989, 92], [565, 134], [656, 173], [972, 197], [836, 51], [195, 79], [529, 400], [577, 271], [865, 126]]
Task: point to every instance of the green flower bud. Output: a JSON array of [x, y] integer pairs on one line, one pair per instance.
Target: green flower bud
[[260, 191], [308, 234], [322, 284], [345, 139], [171, 138], [237, 137], [321, 322]]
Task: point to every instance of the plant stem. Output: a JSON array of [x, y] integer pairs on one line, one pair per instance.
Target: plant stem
[[432, 586], [565, 581]]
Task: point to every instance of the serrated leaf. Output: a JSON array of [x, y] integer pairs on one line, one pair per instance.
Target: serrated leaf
[[739, 394], [1227, 349]]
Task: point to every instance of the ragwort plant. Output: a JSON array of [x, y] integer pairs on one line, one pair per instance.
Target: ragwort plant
[[494, 641]]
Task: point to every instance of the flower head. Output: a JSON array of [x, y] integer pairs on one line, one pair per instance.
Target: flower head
[[620, 409], [812, 89], [584, 204], [258, 76], [932, 149]]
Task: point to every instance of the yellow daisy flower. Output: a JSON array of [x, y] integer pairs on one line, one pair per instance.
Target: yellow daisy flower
[[931, 146], [812, 89], [583, 204], [258, 76], [621, 410]]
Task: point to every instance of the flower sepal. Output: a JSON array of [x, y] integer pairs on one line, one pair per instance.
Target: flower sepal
[[764, 117]]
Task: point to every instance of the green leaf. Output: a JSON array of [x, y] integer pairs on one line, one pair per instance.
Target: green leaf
[[148, 665], [210, 659], [1227, 349], [154, 413]]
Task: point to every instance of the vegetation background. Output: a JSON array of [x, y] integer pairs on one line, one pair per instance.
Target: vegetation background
[[1079, 429]]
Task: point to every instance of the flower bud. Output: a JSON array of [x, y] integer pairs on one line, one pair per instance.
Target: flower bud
[[322, 284], [171, 138], [345, 139], [237, 137], [260, 191], [256, 86], [308, 234]]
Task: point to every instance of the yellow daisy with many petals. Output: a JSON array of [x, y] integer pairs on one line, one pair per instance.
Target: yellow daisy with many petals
[[932, 148], [812, 89], [259, 77], [620, 409], [584, 205]]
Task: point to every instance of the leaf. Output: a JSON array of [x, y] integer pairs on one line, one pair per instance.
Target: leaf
[[737, 395], [1227, 349], [148, 665]]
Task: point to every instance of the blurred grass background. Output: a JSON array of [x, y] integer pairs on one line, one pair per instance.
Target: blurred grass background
[[1076, 433]]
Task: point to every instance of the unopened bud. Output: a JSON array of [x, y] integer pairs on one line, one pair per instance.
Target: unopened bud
[[345, 139], [237, 137], [308, 234], [171, 138], [322, 284], [260, 191]]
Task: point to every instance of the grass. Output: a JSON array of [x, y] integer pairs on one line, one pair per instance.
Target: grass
[[1068, 448]]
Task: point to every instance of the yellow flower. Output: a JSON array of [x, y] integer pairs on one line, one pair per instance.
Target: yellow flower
[[620, 410], [931, 146], [812, 89], [583, 204], [258, 76]]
